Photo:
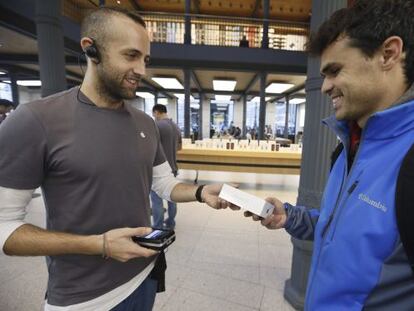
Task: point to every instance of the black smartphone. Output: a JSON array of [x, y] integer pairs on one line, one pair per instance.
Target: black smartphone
[[158, 239]]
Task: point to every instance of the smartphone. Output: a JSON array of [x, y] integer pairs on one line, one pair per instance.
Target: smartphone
[[158, 239]]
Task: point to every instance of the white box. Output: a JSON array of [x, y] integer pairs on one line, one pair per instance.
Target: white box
[[246, 201]]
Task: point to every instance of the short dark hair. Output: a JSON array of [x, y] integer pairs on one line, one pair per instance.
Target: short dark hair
[[160, 108], [97, 23], [368, 24], [5, 102]]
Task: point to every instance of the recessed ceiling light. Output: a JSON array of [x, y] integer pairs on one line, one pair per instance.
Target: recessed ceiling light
[[29, 82], [223, 97], [145, 95], [224, 85], [278, 88], [168, 83], [118, 1]]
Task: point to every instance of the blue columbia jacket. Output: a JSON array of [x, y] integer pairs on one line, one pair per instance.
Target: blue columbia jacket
[[358, 260]]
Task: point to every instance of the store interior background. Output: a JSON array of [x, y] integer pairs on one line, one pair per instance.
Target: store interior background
[[215, 24], [194, 42]]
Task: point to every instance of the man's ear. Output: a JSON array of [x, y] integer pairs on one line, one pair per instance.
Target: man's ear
[[392, 52]]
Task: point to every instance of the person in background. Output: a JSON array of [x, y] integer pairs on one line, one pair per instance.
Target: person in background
[[6, 107], [96, 159], [170, 137], [367, 63], [244, 43]]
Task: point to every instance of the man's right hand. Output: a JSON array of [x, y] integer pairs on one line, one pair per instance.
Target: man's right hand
[[276, 220], [119, 245]]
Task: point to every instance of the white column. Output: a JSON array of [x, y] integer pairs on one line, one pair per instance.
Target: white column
[[238, 113], [270, 115], [206, 117], [172, 109]]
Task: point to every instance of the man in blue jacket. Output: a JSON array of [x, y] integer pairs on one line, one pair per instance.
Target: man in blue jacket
[[367, 62]]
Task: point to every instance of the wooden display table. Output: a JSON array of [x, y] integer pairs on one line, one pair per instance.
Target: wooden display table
[[268, 162]]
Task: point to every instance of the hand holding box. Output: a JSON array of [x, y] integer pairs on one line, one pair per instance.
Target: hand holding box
[[246, 201]]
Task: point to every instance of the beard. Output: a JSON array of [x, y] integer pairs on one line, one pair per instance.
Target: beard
[[110, 84]]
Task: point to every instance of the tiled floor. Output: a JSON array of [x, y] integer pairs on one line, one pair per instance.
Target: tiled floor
[[220, 260]]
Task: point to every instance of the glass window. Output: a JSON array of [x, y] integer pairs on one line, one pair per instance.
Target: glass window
[[148, 104], [252, 114], [280, 119], [221, 116], [194, 116]]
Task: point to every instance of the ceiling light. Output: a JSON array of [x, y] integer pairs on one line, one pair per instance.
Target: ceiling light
[[296, 101], [223, 97], [222, 104], [118, 1], [29, 82], [145, 95], [162, 101], [3, 72], [182, 98], [168, 83], [278, 88], [224, 85]]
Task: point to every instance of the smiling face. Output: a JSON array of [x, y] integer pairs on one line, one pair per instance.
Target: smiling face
[[123, 59], [355, 83]]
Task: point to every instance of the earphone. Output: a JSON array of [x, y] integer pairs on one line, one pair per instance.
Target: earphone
[[93, 53]]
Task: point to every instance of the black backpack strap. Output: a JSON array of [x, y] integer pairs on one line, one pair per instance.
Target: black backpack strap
[[335, 154], [404, 203]]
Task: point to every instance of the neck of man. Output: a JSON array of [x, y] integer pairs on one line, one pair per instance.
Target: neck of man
[[389, 97], [162, 116], [90, 87]]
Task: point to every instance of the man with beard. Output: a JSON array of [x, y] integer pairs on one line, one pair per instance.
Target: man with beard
[[361, 251], [171, 142], [96, 159]]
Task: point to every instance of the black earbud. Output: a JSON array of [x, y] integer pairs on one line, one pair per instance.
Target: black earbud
[[93, 53]]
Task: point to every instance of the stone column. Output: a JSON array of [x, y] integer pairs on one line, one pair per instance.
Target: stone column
[[205, 110], [14, 88], [50, 46]]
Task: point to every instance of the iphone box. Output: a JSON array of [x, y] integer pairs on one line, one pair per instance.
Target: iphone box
[[246, 201]]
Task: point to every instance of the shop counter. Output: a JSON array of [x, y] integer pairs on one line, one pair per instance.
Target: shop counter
[[250, 161]]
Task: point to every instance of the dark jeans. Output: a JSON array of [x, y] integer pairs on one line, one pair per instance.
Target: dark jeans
[[142, 299]]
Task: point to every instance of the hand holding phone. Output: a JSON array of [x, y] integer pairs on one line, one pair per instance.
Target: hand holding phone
[[158, 239]]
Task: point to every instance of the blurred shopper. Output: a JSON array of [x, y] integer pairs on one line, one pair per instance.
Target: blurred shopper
[[244, 43], [170, 137], [6, 107], [359, 260], [96, 159]]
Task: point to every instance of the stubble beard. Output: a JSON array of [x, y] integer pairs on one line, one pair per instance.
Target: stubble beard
[[110, 85]]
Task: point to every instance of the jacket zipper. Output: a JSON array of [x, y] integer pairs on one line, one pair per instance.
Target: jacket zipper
[[350, 190]]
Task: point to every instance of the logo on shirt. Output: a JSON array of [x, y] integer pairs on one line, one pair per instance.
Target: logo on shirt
[[142, 134], [377, 204]]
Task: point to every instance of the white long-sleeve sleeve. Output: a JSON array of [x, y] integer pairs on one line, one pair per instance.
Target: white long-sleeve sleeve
[[13, 204], [163, 180]]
